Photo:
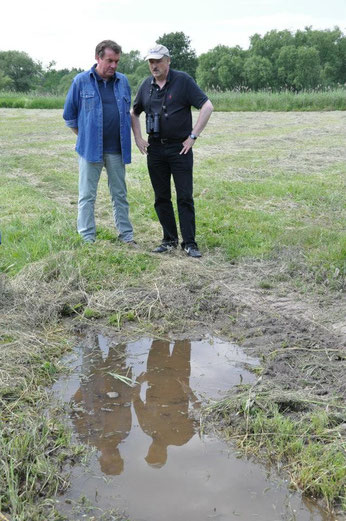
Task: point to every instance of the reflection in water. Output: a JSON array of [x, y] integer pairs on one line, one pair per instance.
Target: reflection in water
[[163, 414], [103, 413], [148, 445]]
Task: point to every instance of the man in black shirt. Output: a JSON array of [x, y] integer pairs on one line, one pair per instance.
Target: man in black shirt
[[166, 98]]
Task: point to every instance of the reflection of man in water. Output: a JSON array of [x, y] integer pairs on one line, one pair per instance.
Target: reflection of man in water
[[164, 413], [105, 418]]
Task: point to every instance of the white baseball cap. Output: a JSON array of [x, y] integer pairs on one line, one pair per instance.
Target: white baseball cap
[[157, 52]]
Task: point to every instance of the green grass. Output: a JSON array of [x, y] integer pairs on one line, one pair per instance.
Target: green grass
[[333, 99], [284, 101], [268, 187], [251, 219], [255, 207], [30, 100], [309, 450], [28, 465]]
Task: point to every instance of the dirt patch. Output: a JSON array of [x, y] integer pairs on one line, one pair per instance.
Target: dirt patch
[[300, 339]]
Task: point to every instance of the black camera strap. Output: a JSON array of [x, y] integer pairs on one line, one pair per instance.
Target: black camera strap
[[163, 104]]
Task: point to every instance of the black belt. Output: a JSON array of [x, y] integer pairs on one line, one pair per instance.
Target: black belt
[[164, 141]]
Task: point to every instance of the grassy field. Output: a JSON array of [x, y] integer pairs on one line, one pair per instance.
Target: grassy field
[[284, 101], [270, 203], [30, 100]]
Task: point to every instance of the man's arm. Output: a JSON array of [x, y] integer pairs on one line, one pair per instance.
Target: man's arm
[[71, 105], [203, 118], [141, 143]]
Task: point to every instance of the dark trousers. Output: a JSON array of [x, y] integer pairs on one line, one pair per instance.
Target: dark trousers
[[165, 161]]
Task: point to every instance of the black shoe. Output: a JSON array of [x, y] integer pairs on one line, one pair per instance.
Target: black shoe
[[192, 251], [165, 247]]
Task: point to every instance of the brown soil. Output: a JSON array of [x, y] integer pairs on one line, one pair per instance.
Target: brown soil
[[299, 338]]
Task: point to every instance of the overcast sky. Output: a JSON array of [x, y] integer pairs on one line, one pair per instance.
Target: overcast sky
[[67, 31]]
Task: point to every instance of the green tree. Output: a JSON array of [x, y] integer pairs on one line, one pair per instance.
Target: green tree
[[136, 78], [230, 69], [135, 68], [326, 43], [308, 69], [286, 65], [341, 51], [183, 57], [221, 68], [5, 81], [21, 69], [51, 78], [66, 80], [129, 62], [258, 72], [207, 70], [270, 44]]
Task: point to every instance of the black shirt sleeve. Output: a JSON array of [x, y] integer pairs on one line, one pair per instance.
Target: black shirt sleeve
[[195, 95], [138, 104]]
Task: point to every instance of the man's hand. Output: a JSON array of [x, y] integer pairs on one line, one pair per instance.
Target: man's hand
[[187, 144], [203, 117], [142, 145]]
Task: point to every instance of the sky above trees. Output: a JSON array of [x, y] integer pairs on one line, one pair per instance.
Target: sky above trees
[[67, 32], [304, 60]]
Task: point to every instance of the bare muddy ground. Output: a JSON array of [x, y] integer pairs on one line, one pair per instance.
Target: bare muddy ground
[[300, 338]]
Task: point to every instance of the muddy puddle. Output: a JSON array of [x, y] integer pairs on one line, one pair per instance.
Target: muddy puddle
[[136, 405]]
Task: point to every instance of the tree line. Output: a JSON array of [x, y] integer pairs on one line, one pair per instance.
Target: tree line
[[279, 60]]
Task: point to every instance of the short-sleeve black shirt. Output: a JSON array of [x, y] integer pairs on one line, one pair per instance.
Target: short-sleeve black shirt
[[173, 102]]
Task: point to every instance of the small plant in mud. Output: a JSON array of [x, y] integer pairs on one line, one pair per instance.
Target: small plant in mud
[[265, 284], [115, 319], [91, 313]]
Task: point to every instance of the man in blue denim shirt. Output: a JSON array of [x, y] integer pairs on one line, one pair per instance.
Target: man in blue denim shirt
[[97, 109]]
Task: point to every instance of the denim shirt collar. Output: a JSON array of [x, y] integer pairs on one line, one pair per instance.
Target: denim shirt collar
[[98, 77]]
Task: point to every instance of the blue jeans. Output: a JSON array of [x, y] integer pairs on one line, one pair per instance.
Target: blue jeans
[[89, 175]]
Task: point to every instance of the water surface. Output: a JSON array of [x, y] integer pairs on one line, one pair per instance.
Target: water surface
[[135, 405]]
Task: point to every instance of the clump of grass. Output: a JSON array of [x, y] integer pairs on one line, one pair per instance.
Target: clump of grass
[[309, 447], [91, 313], [27, 470], [32, 455]]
